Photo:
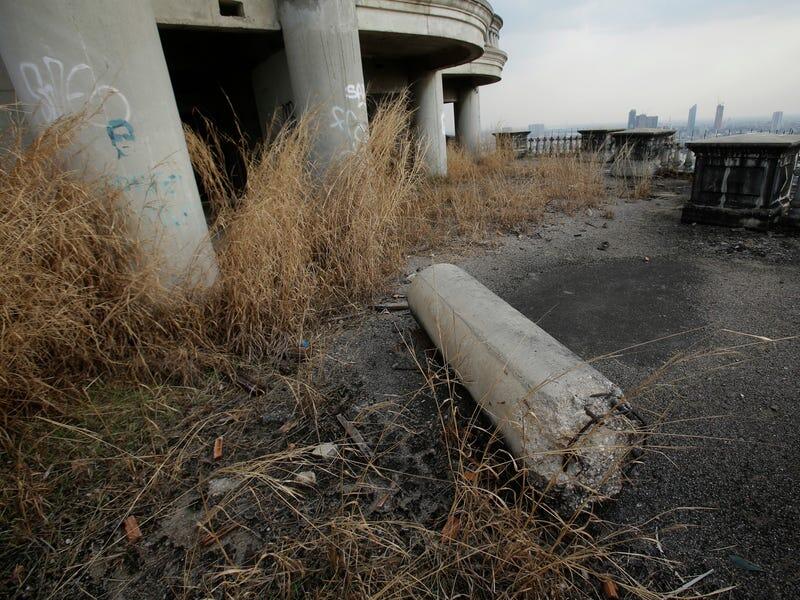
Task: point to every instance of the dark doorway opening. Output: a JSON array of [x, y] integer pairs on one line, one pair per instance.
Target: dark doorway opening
[[211, 73]]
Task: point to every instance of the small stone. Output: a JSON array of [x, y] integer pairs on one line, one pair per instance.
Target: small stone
[[773, 407], [220, 485], [306, 477], [325, 450]]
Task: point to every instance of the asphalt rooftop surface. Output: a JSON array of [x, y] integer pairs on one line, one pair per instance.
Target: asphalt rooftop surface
[[719, 487]]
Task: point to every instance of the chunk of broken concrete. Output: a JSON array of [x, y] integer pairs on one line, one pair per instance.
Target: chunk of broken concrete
[[306, 477], [221, 485], [555, 411], [325, 450]]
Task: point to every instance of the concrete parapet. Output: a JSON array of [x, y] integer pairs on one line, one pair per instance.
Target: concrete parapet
[[743, 180], [555, 411], [639, 152]]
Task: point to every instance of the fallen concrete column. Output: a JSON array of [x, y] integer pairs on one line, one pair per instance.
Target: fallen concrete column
[[105, 58], [324, 58], [428, 99], [468, 120], [556, 412]]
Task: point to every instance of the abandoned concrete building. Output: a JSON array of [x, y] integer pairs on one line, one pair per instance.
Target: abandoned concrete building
[[141, 67]]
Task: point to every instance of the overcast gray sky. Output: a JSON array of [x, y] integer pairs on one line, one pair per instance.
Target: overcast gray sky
[[590, 61]]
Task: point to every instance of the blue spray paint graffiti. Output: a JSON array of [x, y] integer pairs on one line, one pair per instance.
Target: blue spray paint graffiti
[[120, 131], [160, 187]]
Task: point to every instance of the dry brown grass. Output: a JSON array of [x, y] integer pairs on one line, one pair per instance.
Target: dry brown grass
[[77, 303], [638, 185], [498, 191], [294, 246], [147, 453], [74, 302]]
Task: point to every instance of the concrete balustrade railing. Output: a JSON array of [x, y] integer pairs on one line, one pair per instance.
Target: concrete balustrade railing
[[674, 155]]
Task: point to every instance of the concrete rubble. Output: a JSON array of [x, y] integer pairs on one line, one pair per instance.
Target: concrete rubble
[[562, 417]]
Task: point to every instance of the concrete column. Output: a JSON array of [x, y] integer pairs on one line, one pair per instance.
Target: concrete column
[[6, 97], [563, 418], [468, 120], [324, 58], [273, 92], [428, 99], [67, 56]]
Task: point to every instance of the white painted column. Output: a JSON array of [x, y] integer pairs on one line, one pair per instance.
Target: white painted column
[[468, 120], [66, 56], [324, 58], [428, 100]]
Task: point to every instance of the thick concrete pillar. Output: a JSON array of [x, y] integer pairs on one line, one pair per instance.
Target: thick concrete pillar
[[67, 56], [428, 99], [468, 120], [324, 58]]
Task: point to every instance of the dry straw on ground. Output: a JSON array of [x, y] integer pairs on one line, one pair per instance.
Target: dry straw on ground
[[496, 190]]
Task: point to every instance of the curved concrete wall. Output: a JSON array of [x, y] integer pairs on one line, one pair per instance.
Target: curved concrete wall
[[433, 33]]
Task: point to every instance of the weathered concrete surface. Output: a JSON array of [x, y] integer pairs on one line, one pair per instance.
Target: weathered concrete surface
[[324, 58], [637, 151], [436, 33], [7, 96], [742, 180], [428, 100], [64, 57], [555, 411]]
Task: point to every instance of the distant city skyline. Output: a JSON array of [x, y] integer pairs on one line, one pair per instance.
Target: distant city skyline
[[581, 62]]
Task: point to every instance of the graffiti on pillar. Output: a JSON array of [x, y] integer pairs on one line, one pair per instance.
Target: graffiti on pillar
[[120, 132], [346, 119], [158, 183], [356, 91], [157, 186], [60, 90]]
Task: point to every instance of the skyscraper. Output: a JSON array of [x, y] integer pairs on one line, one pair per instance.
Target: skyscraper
[[632, 118], [642, 120], [692, 120], [536, 129], [777, 119], [718, 117]]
